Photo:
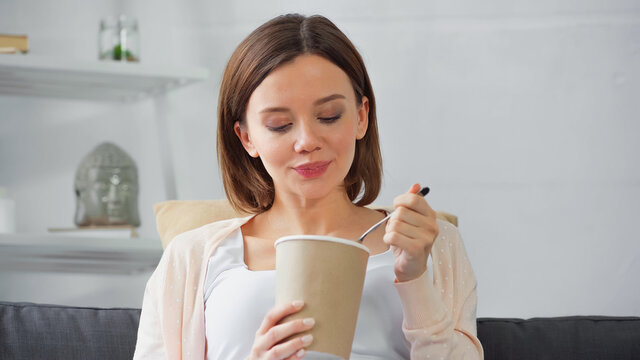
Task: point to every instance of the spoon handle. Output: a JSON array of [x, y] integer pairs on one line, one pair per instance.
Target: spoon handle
[[424, 191]]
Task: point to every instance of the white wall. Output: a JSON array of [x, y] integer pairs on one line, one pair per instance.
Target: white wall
[[520, 115]]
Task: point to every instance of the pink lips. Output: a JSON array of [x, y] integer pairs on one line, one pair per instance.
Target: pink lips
[[312, 169]]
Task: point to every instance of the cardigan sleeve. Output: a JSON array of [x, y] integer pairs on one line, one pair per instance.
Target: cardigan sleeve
[[172, 319], [440, 317], [160, 330], [150, 343]]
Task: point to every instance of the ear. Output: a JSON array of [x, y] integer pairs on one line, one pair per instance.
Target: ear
[[243, 135], [363, 118]]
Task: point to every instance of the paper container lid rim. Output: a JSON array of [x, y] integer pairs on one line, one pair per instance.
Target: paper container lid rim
[[321, 238]]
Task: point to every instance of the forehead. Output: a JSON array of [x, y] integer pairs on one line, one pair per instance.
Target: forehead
[[306, 78], [106, 172]]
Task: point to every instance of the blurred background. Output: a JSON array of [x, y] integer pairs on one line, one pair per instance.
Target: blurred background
[[522, 117]]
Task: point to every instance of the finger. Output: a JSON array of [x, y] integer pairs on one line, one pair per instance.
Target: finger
[[409, 245], [298, 355], [412, 201], [277, 313], [420, 235], [406, 215], [407, 229], [290, 349], [414, 188], [282, 331]]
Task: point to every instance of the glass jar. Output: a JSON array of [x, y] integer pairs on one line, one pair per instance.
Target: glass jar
[[119, 39]]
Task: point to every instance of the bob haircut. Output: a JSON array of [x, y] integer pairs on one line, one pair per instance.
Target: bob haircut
[[247, 184]]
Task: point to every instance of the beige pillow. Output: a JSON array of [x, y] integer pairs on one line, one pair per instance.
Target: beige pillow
[[174, 217]]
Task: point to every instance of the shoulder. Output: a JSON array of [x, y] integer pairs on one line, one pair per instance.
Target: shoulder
[[447, 229], [200, 239]]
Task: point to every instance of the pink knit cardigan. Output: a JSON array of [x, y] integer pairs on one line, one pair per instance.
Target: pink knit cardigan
[[439, 315]]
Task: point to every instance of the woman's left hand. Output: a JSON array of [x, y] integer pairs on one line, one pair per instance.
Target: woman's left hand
[[411, 231]]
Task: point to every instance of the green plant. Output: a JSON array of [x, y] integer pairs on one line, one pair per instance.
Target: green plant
[[117, 54]]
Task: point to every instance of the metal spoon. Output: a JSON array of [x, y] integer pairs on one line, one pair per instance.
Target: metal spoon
[[424, 191]]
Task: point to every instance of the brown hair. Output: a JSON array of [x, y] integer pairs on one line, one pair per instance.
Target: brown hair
[[247, 184]]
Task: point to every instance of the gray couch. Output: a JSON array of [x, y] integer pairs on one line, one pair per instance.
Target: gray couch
[[36, 331]]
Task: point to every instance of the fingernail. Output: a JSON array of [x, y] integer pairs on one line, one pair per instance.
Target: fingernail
[[298, 303], [307, 339], [309, 321], [300, 353]]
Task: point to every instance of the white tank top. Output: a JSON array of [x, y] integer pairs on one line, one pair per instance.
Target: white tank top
[[237, 299]]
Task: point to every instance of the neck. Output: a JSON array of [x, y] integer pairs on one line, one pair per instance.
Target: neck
[[327, 215]]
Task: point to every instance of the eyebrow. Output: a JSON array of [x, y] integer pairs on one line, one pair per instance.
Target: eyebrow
[[315, 103]]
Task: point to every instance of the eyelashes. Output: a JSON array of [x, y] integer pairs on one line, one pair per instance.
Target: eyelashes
[[279, 128], [283, 128], [330, 120]]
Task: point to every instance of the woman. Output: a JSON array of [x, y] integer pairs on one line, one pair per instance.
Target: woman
[[298, 148]]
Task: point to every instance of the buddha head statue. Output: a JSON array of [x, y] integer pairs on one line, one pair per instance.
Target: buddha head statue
[[106, 188]]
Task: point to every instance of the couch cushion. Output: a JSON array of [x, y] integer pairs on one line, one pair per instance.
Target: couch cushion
[[35, 331], [573, 337]]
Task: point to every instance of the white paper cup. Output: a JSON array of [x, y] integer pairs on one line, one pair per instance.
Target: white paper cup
[[327, 273]]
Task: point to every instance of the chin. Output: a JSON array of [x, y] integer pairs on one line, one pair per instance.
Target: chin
[[319, 189]]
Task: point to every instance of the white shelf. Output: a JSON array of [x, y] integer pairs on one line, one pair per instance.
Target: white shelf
[[50, 77], [26, 75], [44, 252]]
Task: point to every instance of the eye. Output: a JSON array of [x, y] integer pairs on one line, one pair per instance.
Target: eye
[[282, 128], [100, 186], [329, 120]]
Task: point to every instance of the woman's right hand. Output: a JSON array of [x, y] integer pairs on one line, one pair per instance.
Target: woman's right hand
[[266, 344]]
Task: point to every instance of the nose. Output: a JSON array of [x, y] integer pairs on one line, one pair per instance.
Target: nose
[[112, 197], [308, 138]]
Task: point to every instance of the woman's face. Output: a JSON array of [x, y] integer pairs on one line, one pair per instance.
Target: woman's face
[[303, 121]]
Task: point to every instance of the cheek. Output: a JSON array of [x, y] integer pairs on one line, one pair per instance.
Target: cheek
[[272, 153], [95, 196], [345, 144]]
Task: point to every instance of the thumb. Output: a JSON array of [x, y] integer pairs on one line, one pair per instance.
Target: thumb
[[414, 188]]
